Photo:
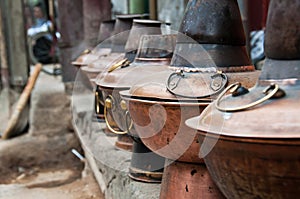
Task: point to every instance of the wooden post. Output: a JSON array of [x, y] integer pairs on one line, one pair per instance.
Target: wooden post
[[153, 9], [15, 42]]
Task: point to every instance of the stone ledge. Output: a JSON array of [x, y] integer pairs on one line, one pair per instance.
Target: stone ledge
[[110, 165]]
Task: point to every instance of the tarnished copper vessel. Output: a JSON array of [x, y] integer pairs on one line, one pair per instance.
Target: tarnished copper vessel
[[160, 104], [250, 141], [145, 166]]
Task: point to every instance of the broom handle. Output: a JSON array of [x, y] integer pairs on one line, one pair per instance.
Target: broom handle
[[22, 101]]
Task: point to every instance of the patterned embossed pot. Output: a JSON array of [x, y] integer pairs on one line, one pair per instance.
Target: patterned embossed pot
[[251, 140]]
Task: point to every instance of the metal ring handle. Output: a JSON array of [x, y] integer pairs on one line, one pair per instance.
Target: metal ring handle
[[274, 87], [109, 102], [129, 126], [181, 75]]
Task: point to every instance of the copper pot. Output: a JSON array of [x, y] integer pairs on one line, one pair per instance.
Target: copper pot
[[250, 140], [183, 101], [146, 166], [160, 104], [112, 82]]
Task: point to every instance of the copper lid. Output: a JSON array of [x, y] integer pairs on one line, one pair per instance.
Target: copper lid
[[270, 110], [211, 41], [89, 56], [276, 118], [146, 64]]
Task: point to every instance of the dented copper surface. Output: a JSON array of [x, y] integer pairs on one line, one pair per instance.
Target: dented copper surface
[[253, 152]]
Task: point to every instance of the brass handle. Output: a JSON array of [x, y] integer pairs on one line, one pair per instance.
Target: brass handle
[[109, 103], [273, 91], [122, 63]]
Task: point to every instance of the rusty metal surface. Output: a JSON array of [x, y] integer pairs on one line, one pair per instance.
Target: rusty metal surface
[[282, 39], [188, 181]]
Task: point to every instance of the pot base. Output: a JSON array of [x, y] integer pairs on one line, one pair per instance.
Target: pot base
[[144, 176], [124, 142], [145, 166], [189, 181]]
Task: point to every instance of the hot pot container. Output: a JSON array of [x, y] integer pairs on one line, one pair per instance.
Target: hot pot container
[[113, 79], [201, 66], [153, 55], [250, 141], [107, 53]]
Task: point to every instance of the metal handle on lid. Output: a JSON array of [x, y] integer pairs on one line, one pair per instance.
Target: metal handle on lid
[[273, 91], [216, 87]]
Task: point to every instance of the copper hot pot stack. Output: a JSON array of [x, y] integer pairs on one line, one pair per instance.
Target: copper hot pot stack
[[145, 166], [250, 140], [210, 52]]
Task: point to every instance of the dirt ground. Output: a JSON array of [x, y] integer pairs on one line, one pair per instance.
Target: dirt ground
[[42, 166], [55, 177]]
